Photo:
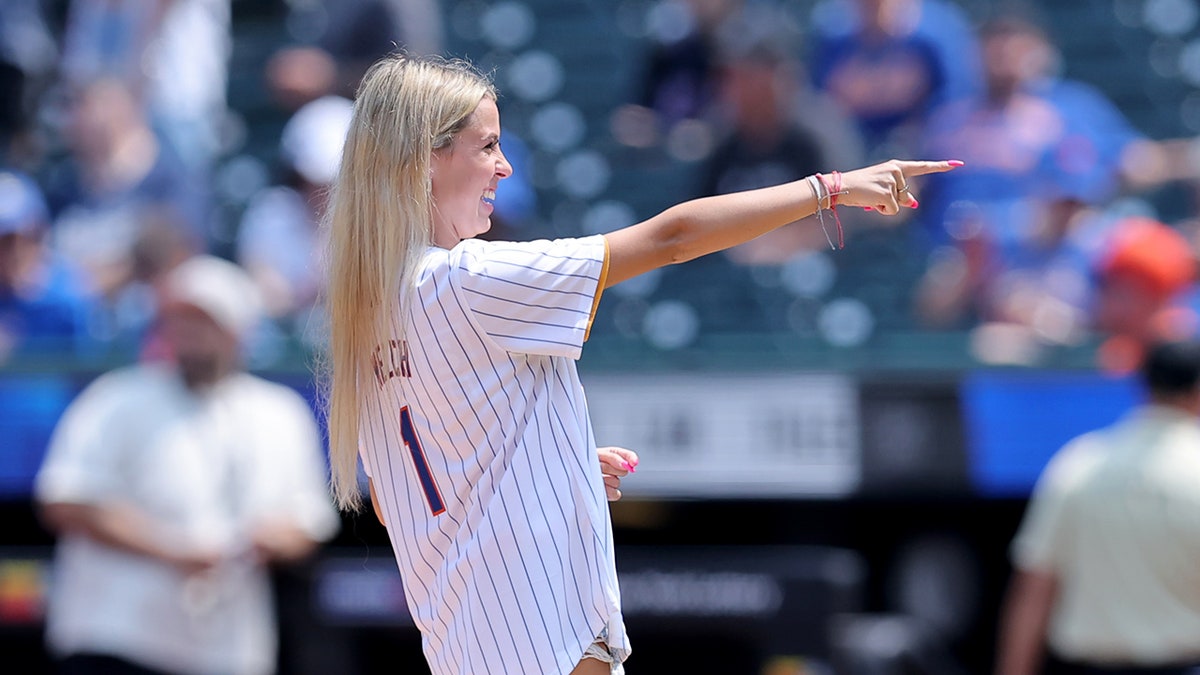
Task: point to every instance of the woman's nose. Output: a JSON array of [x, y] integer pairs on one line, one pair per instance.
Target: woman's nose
[[503, 168]]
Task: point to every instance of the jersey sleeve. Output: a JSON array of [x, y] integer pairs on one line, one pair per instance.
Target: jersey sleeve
[[82, 459], [1044, 533], [290, 477], [532, 297]]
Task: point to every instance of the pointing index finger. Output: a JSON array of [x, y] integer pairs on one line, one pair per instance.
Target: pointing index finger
[[920, 168]]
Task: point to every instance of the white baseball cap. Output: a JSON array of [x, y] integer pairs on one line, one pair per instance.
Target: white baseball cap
[[220, 289], [313, 138], [22, 208]]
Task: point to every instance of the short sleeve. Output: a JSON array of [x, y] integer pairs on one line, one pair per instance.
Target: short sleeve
[[292, 479], [82, 459], [532, 297], [1045, 532]]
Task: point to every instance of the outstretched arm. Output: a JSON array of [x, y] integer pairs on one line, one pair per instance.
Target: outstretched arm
[[702, 226]]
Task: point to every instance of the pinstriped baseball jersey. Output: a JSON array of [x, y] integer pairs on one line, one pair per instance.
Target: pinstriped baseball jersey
[[483, 459]]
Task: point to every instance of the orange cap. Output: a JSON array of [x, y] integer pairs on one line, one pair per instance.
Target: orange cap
[[1153, 252]]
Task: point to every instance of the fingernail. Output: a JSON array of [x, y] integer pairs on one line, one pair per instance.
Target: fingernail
[[868, 208], [916, 204], [955, 162], [628, 466]]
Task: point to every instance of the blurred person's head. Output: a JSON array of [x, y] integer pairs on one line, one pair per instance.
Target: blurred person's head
[[1016, 51], [1171, 373], [711, 14], [1146, 265], [104, 116], [162, 244], [23, 218], [298, 75], [888, 18], [758, 82], [210, 308]]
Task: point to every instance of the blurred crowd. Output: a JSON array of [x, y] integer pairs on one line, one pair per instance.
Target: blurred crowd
[[1033, 244], [114, 120]]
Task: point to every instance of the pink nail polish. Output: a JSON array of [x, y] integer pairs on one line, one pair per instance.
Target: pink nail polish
[[955, 162], [868, 208], [915, 204], [628, 466]]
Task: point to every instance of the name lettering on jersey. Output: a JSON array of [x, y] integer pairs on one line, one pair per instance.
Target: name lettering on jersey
[[391, 360]]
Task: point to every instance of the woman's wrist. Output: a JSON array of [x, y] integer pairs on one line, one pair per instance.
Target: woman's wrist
[[827, 191], [820, 196]]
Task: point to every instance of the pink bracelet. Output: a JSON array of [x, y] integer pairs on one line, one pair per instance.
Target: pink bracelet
[[832, 192]]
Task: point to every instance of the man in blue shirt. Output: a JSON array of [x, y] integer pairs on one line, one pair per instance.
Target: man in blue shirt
[[43, 303]]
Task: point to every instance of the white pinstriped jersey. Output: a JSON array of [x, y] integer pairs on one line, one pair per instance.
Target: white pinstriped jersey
[[484, 463]]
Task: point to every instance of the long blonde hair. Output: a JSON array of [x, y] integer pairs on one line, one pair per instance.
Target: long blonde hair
[[379, 224]]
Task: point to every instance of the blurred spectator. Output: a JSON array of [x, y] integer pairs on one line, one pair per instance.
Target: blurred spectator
[[297, 75], [679, 78], [1105, 560], [888, 63], [278, 240], [337, 40], [1145, 273], [117, 176], [1028, 130], [172, 488], [1042, 291], [172, 55], [44, 304], [130, 320], [1007, 137], [28, 57], [1014, 235], [763, 141], [1129, 281]]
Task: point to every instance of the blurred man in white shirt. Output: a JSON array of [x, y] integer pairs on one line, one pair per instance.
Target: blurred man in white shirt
[[1107, 574], [173, 486]]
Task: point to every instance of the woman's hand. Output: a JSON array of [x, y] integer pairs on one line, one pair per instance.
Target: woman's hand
[[616, 463], [884, 187]]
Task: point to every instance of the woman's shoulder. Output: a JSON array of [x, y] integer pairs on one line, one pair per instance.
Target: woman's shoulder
[[532, 246]]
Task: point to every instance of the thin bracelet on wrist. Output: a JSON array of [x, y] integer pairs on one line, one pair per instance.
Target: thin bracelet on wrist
[[831, 195]]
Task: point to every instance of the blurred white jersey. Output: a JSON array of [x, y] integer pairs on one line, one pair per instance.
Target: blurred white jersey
[[484, 463]]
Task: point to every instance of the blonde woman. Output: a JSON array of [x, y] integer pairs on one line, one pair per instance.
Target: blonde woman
[[452, 369]]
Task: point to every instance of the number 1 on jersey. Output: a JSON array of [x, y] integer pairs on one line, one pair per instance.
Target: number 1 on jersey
[[409, 434]]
